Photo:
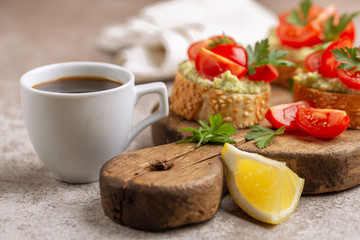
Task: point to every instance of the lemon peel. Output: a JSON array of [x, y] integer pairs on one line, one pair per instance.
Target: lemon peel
[[265, 189]]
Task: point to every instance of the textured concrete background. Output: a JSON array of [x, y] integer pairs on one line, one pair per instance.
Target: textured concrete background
[[35, 206]]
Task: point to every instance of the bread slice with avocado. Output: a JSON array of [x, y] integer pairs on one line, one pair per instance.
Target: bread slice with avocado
[[332, 81], [222, 77], [196, 102], [328, 93]]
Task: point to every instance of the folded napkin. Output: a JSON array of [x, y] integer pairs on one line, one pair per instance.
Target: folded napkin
[[153, 43]]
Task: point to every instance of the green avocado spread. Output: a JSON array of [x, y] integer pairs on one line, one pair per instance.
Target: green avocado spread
[[226, 81], [316, 81]]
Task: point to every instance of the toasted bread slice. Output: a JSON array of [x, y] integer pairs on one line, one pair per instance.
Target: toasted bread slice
[[196, 102], [350, 103]]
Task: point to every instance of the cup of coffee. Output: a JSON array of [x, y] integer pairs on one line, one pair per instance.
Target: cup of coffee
[[79, 115]]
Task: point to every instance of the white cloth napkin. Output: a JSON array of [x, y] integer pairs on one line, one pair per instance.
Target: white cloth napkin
[[153, 43]]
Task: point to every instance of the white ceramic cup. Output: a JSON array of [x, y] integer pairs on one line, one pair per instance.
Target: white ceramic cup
[[74, 134]]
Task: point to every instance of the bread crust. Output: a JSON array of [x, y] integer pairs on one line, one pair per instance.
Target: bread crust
[[195, 102], [285, 76], [350, 103]]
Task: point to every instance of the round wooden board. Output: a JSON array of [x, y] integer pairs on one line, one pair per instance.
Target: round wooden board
[[162, 187], [326, 165]]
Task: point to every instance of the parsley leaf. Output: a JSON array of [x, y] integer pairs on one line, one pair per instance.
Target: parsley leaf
[[218, 41], [216, 132], [262, 135], [261, 55], [332, 31], [349, 58], [298, 15]]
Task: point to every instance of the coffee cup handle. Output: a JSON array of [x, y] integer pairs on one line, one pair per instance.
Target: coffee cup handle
[[163, 110]]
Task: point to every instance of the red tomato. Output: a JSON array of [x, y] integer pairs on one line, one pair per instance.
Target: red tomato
[[322, 123], [284, 114], [265, 73], [313, 61], [233, 52], [349, 32], [210, 65], [350, 79], [297, 36], [319, 20], [313, 13], [328, 65], [195, 48]]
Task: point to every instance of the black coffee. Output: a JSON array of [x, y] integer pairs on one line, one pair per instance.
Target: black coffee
[[78, 84]]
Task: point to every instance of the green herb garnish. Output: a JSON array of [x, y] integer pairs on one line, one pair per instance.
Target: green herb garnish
[[349, 58], [262, 135], [217, 132], [332, 31], [298, 15], [261, 55], [219, 40]]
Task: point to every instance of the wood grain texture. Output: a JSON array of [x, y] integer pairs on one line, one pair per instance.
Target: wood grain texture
[[326, 165], [171, 185], [162, 187]]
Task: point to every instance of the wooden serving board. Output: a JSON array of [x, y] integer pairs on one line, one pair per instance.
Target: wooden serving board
[[326, 165], [172, 184]]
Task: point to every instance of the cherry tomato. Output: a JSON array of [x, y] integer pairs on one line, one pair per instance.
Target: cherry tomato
[[195, 48], [233, 52], [322, 123], [350, 79], [328, 65], [297, 36], [284, 114], [313, 13], [313, 61], [349, 32], [318, 22], [210, 65], [265, 73]]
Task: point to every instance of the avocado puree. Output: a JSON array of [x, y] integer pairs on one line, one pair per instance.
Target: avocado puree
[[226, 81]]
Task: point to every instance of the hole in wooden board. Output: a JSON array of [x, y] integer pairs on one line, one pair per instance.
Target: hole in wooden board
[[160, 165]]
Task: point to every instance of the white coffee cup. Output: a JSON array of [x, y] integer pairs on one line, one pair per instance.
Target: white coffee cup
[[74, 134]]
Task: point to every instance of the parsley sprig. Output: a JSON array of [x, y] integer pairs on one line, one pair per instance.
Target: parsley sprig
[[298, 15], [349, 58], [263, 136], [216, 132], [332, 31], [219, 40], [261, 55]]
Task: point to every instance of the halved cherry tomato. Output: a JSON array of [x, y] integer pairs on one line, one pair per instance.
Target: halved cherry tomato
[[349, 32], [318, 22], [265, 73], [284, 114], [322, 123], [195, 48], [328, 65], [313, 61], [350, 79], [233, 52], [210, 65], [313, 13], [297, 36]]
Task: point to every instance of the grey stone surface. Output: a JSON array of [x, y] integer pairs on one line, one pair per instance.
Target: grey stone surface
[[35, 206]]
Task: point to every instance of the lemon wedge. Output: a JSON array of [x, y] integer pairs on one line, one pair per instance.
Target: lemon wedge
[[265, 189]]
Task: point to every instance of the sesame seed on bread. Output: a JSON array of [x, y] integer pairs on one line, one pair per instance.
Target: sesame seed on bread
[[195, 102]]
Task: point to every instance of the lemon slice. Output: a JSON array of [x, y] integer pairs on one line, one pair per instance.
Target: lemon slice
[[264, 188]]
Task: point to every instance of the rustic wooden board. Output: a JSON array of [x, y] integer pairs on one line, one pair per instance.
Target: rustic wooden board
[[326, 165], [172, 184], [163, 187]]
